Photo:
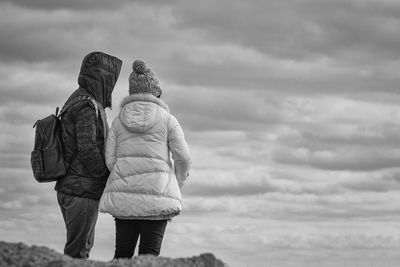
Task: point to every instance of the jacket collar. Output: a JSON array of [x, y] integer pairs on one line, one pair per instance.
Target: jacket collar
[[146, 98]]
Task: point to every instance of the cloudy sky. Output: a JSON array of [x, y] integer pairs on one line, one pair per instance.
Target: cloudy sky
[[290, 109]]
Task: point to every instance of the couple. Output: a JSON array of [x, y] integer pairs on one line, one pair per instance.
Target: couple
[[126, 170]]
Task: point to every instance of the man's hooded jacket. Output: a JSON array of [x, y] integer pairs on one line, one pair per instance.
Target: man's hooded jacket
[[83, 129]]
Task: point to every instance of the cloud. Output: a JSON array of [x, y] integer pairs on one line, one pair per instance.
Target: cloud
[[362, 159], [303, 244], [30, 39], [21, 85], [189, 57], [234, 187], [300, 29], [345, 202], [76, 5], [74, 33], [290, 110], [203, 109], [338, 134]]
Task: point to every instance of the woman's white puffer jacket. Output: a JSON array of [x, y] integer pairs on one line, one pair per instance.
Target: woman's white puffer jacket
[[143, 184]]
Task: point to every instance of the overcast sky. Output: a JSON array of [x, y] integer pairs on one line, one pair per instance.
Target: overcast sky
[[290, 108]]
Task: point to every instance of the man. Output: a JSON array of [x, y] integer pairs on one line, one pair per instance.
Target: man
[[84, 131]]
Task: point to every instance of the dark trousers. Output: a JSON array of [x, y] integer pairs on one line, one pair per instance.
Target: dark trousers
[[80, 216], [151, 234]]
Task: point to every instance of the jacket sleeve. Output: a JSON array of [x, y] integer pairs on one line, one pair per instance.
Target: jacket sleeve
[[111, 147], [89, 153], [180, 151]]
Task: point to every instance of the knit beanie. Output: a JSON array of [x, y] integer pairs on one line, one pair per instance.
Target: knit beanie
[[143, 80]]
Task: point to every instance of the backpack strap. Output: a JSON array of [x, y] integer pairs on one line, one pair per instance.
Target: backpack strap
[[77, 100], [95, 104], [96, 107]]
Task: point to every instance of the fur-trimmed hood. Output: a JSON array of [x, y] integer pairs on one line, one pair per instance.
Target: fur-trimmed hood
[[140, 112]]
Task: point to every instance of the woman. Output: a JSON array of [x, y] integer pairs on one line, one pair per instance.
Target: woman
[[143, 189]]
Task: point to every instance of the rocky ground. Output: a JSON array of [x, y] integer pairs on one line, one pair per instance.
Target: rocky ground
[[21, 255]]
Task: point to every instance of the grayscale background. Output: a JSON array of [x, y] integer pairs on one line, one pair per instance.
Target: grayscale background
[[290, 108]]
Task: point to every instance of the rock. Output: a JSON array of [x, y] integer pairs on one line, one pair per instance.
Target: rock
[[21, 255]]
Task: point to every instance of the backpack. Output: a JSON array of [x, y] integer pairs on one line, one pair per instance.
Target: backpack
[[47, 157]]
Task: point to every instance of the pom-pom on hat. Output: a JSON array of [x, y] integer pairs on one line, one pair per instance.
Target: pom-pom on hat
[[143, 80]]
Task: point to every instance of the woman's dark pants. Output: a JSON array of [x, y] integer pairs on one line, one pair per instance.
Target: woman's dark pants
[[151, 234]]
